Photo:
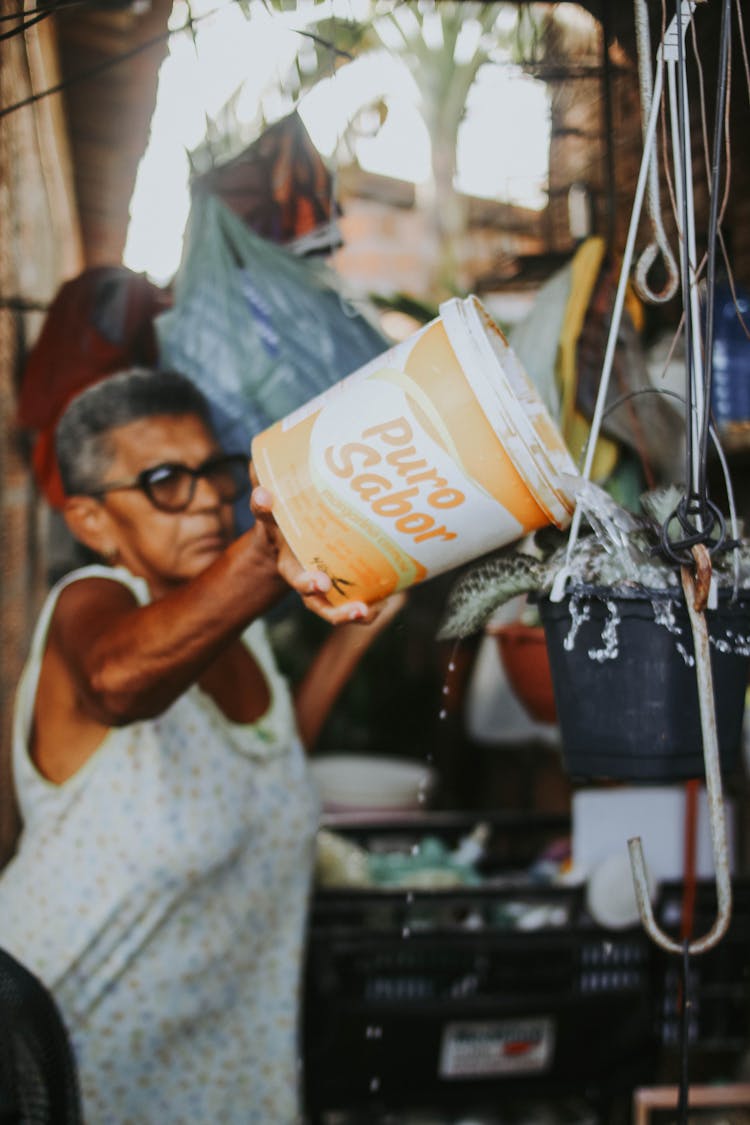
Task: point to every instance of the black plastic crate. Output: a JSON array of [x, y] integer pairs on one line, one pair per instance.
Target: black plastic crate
[[718, 983], [472, 995]]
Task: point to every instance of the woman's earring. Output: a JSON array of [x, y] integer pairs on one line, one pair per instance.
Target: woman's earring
[[110, 556]]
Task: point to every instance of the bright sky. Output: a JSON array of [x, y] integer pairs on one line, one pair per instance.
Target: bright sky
[[503, 145]]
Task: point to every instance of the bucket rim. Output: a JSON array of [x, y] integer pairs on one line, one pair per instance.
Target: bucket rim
[[476, 312], [468, 350], [472, 316], [509, 427]]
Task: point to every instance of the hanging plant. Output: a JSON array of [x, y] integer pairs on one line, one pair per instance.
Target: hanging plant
[[619, 641], [620, 553]]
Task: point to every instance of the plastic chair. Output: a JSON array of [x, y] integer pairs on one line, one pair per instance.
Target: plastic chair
[[38, 1081]]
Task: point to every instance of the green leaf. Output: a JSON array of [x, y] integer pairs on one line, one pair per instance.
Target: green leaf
[[482, 590]]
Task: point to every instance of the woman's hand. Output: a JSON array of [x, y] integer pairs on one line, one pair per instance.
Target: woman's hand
[[386, 610], [358, 623], [363, 633], [311, 585]]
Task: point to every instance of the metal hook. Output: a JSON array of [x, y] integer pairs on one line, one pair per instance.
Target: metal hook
[[695, 595]]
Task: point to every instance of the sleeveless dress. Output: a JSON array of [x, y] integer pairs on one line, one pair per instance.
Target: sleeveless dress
[[161, 894]]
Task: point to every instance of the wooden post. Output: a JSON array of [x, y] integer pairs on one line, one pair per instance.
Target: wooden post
[[40, 246]]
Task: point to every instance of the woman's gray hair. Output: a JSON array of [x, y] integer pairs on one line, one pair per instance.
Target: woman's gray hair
[[83, 436]]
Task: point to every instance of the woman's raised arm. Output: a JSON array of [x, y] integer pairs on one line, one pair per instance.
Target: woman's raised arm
[[130, 662], [334, 664]]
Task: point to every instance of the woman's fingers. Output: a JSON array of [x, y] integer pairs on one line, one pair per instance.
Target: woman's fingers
[[345, 614], [308, 581], [313, 585], [261, 503], [383, 612], [391, 606]]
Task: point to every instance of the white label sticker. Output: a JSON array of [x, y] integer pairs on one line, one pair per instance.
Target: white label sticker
[[484, 1049], [390, 471]]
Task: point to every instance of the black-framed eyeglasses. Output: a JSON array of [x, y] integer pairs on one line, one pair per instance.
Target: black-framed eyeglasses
[[171, 486]]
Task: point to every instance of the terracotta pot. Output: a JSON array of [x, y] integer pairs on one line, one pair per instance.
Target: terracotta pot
[[523, 651]]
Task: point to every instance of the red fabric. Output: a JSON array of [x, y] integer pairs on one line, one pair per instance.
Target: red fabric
[[98, 323]]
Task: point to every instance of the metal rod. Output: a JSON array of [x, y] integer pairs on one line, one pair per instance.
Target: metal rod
[[685, 205], [717, 822], [614, 327]]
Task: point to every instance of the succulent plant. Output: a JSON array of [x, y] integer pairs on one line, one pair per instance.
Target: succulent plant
[[617, 551]]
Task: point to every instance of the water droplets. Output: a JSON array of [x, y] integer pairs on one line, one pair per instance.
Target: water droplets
[[663, 609], [668, 613], [741, 644], [446, 689], [578, 614], [610, 645], [664, 616], [731, 644]]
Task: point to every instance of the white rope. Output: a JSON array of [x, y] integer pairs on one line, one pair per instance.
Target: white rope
[[659, 243]]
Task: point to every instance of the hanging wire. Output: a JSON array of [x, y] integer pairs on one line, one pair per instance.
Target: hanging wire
[[678, 550], [730, 275], [722, 102], [700, 267], [335, 51], [728, 156], [685, 1013], [663, 122], [132, 52], [727, 180], [9, 17], [91, 72], [698, 517], [729, 544], [685, 222], [706, 146], [743, 44], [23, 27]]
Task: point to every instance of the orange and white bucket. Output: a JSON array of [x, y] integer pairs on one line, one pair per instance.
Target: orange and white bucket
[[434, 453]]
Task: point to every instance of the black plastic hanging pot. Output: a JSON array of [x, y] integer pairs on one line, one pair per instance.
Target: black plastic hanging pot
[[625, 685]]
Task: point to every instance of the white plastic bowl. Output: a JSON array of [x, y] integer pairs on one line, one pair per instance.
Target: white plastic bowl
[[363, 783], [610, 894]]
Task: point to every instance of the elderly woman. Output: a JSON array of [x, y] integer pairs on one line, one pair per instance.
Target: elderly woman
[[161, 880]]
